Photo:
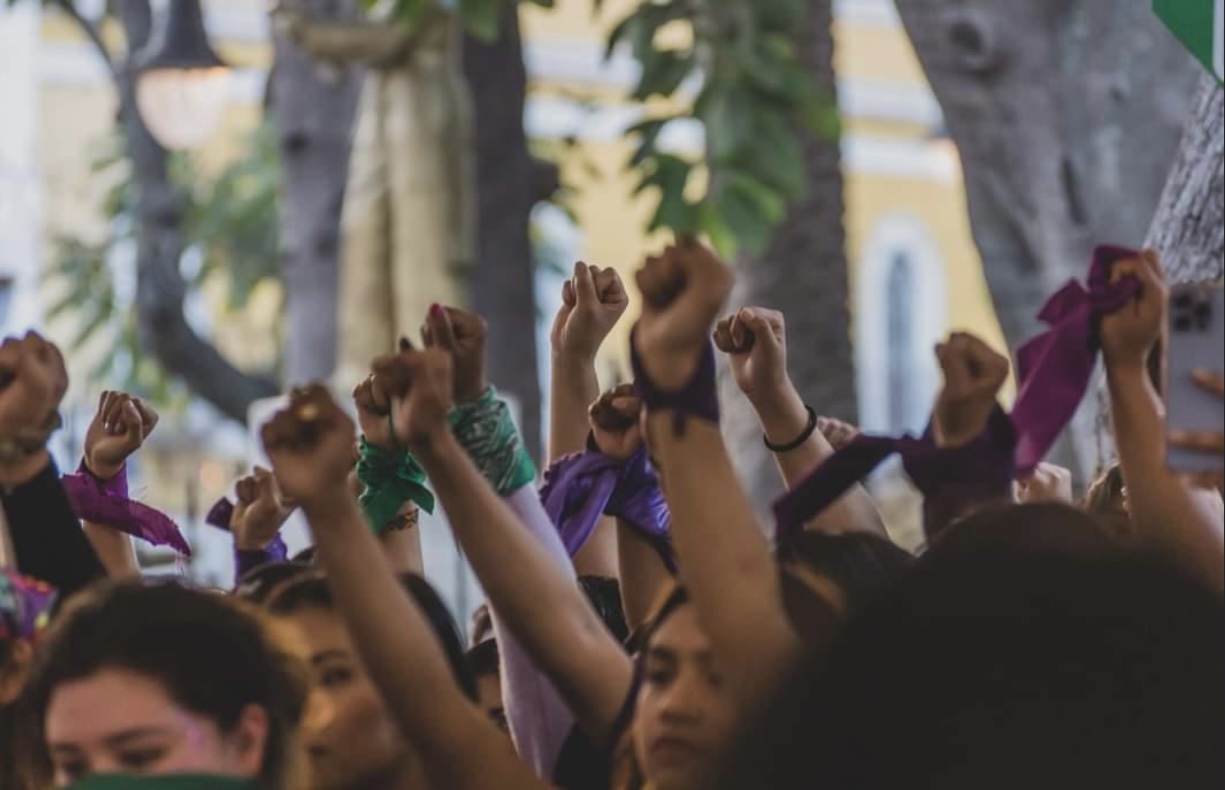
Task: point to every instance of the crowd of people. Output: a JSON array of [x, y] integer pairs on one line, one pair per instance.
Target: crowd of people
[[643, 630]]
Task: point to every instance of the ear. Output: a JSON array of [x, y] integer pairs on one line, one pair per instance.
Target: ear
[[13, 672], [248, 742]]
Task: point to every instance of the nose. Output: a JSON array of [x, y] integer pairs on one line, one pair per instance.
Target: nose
[[319, 713], [684, 699]]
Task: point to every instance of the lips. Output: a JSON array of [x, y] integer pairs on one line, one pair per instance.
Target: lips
[[671, 749]]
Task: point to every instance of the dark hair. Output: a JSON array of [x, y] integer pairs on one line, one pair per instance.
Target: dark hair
[[258, 584], [211, 655], [1013, 656], [314, 591], [604, 594]]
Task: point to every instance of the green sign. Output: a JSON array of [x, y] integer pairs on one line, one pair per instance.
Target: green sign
[[1198, 25]]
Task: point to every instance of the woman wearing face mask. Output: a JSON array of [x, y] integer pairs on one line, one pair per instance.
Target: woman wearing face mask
[[349, 736], [163, 681]]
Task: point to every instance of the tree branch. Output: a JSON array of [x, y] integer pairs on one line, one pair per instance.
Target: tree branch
[[91, 32]]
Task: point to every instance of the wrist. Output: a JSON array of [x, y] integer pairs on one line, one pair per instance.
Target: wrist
[[571, 359], [781, 413], [472, 393], [242, 543], [104, 472], [434, 444], [330, 507]]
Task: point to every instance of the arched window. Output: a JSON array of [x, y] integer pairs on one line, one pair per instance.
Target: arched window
[[900, 315]]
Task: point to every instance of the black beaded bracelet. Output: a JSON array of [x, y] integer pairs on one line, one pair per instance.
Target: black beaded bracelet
[[799, 441]]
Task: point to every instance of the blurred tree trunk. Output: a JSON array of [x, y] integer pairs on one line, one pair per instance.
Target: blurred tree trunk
[[1067, 115], [803, 274], [503, 284], [160, 287], [313, 105], [1189, 227]]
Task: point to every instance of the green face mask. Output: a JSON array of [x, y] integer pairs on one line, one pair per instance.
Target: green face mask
[[170, 782]]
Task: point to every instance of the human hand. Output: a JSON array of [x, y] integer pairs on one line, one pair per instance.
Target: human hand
[[1048, 484], [260, 511], [683, 292], [755, 340], [1129, 335], [33, 381], [973, 377], [374, 412], [614, 420], [310, 445], [420, 384], [119, 428], [838, 433], [593, 301], [1213, 443], [463, 335]]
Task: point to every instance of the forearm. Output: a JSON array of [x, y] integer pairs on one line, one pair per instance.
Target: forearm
[[644, 576], [728, 566], [1167, 514], [462, 749], [45, 532], [783, 417], [402, 547], [114, 550], [575, 387], [522, 564]]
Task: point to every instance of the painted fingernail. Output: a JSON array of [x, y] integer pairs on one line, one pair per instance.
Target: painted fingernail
[[436, 310]]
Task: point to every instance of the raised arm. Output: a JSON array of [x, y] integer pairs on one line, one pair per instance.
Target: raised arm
[[755, 340], [517, 556], [310, 446], [593, 301], [45, 533], [729, 569], [1169, 516]]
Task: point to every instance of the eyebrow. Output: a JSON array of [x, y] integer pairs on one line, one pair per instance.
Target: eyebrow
[[329, 655], [116, 740]]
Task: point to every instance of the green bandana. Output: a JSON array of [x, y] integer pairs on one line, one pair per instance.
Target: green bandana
[[391, 478], [485, 429], [169, 782]]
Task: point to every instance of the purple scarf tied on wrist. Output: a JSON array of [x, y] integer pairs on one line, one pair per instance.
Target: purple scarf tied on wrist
[[951, 480], [106, 502], [220, 515], [581, 488], [1055, 368]]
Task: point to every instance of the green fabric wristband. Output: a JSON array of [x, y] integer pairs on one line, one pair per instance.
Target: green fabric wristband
[[170, 782], [485, 429], [391, 478]]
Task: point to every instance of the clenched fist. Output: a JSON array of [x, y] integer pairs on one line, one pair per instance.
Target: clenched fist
[[420, 384], [463, 335], [593, 301], [33, 381], [310, 445], [755, 341], [119, 428], [614, 420], [973, 377], [260, 511]]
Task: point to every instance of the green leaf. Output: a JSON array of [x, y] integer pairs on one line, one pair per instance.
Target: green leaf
[[749, 209], [481, 18], [663, 71], [728, 117], [775, 157]]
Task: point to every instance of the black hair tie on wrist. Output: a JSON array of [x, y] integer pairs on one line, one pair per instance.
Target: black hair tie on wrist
[[798, 441]]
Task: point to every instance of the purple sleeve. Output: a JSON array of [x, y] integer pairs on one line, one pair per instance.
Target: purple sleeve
[[540, 720], [245, 561]]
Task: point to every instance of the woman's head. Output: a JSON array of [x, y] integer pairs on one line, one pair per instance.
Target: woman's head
[[683, 715], [162, 679], [349, 735]]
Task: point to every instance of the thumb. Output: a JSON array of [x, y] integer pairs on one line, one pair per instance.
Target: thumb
[[763, 331], [443, 331]]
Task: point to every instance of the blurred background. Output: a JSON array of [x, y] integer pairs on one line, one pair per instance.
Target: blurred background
[[186, 184]]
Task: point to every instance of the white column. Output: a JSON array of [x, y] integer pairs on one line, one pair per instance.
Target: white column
[[20, 185]]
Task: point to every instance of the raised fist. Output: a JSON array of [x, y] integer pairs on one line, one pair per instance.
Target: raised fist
[[374, 412], [1130, 334], [592, 303], [1048, 484], [683, 292], [755, 341], [463, 335], [33, 381], [614, 420], [973, 377], [838, 433], [119, 428], [310, 445], [260, 511], [420, 386]]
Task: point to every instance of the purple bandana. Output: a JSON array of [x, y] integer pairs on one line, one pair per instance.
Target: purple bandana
[[950, 479], [25, 605], [1055, 368], [580, 488], [107, 503]]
